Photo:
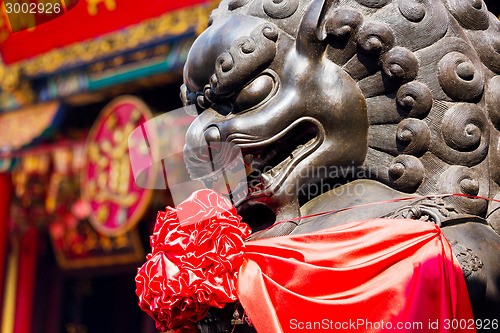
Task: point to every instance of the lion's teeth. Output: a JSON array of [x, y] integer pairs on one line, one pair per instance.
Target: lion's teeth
[[266, 179]]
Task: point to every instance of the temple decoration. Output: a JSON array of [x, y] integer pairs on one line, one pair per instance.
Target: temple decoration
[[30, 180], [116, 203], [119, 45], [47, 198], [77, 245], [75, 242], [92, 5], [21, 128], [27, 14], [28, 216], [124, 28]]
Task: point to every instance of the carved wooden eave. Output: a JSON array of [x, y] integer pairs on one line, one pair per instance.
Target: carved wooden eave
[[15, 79]]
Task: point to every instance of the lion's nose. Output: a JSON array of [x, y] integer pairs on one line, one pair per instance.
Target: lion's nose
[[212, 135]]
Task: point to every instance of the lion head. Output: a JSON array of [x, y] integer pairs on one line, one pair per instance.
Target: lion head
[[406, 91]]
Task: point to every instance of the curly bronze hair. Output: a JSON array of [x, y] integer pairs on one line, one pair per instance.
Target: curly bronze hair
[[428, 70]]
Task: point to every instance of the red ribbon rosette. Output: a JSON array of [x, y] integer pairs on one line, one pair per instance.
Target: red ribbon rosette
[[197, 249]]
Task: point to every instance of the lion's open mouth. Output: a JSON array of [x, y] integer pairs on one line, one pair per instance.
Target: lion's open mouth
[[272, 160], [268, 161]]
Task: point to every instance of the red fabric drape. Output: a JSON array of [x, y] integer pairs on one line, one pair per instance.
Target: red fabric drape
[[5, 201], [367, 276], [381, 275]]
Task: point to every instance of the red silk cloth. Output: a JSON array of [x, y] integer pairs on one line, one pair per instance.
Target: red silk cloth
[[379, 275], [382, 275]]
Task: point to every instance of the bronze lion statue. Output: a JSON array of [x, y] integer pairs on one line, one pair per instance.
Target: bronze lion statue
[[345, 103]]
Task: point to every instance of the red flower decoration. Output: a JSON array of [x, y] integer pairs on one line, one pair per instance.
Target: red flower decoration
[[197, 249]]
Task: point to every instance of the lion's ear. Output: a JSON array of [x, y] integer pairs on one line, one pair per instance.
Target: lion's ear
[[327, 23], [309, 41]]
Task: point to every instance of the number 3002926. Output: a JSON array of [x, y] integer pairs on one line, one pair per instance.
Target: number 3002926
[[33, 8]]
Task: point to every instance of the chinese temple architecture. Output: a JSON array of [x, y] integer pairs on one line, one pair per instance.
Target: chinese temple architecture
[[73, 224]]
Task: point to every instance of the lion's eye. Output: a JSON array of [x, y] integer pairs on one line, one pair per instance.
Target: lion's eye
[[254, 93]]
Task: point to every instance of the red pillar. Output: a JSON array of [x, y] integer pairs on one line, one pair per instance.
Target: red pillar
[[26, 277], [5, 201]]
